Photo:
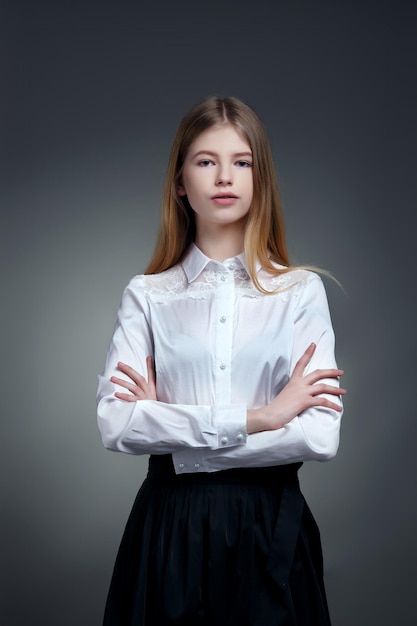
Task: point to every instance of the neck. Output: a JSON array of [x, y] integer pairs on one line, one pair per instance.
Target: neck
[[220, 243]]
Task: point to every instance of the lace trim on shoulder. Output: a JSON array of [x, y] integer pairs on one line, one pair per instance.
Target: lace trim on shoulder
[[167, 285], [288, 284], [173, 284]]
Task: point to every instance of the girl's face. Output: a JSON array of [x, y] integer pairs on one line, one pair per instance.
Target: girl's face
[[217, 177]]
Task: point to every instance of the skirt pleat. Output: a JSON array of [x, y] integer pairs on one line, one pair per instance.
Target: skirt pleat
[[197, 551]]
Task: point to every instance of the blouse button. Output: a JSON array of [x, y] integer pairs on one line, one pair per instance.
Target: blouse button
[[181, 466], [196, 465], [223, 319], [223, 277], [231, 266], [223, 366], [224, 440], [239, 437]]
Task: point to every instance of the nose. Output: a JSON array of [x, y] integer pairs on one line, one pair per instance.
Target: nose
[[224, 176]]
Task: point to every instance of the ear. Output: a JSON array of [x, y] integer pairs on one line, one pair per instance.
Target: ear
[[181, 189]]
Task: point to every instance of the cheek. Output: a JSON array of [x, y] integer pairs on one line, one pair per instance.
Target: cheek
[[190, 183], [196, 185], [249, 188]]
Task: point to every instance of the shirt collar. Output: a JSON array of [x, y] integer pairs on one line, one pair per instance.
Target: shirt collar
[[196, 261]]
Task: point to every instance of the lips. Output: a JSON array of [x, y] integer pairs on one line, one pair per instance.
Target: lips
[[224, 199], [223, 195]]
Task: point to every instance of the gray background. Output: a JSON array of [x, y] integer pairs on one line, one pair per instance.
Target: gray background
[[91, 97]]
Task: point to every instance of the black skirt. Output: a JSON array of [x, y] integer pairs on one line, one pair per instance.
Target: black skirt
[[231, 548]]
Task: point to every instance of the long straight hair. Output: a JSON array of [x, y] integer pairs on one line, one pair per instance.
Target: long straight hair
[[264, 239]]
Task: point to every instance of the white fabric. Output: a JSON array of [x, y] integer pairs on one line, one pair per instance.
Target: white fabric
[[219, 346]]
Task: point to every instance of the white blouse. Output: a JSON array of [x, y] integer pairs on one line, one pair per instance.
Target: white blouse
[[219, 347]]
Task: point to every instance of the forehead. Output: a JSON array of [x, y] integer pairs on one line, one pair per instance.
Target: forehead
[[223, 138]]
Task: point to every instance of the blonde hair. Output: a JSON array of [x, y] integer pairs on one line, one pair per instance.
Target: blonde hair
[[264, 233]]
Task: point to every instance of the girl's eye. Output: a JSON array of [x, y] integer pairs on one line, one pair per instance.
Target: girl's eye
[[205, 163], [244, 164]]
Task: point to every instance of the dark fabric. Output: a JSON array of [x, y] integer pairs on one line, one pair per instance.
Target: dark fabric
[[232, 548]]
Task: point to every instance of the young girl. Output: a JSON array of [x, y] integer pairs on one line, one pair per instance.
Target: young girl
[[221, 368]]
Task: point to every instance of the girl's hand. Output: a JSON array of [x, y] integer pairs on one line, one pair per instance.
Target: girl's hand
[[300, 393], [140, 388]]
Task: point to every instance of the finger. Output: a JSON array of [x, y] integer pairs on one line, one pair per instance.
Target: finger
[[126, 384], [318, 389], [131, 372], [127, 397], [317, 375], [318, 401], [151, 370], [304, 360]]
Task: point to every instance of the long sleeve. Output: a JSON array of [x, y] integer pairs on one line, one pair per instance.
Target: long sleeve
[[152, 426], [220, 347], [312, 435]]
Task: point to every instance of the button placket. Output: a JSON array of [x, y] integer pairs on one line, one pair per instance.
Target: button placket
[[223, 354], [223, 347]]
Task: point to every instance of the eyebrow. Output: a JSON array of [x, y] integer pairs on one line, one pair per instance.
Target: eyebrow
[[210, 153]]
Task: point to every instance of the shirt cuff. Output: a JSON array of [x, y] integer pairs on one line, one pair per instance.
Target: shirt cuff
[[230, 422]]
